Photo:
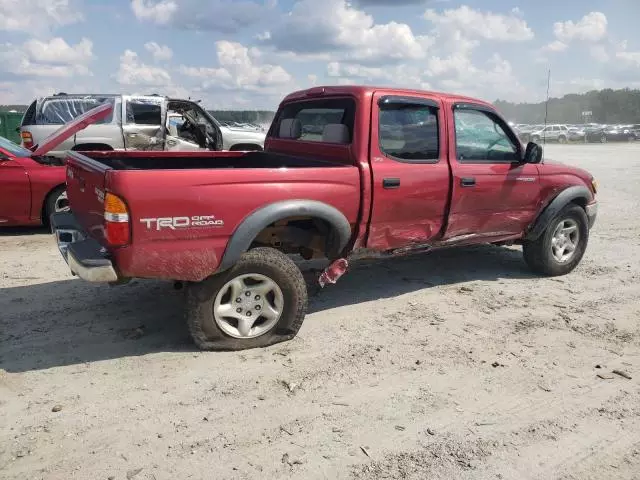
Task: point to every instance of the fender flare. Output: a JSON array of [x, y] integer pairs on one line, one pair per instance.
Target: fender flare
[[252, 225], [560, 201]]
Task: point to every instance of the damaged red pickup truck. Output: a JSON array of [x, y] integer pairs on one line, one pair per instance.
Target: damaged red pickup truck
[[346, 172]]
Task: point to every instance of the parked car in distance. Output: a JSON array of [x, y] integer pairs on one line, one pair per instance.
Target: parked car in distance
[[620, 133], [32, 183], [551, 133], [138, 122], [595, 133], [392, 172], [577, 133]]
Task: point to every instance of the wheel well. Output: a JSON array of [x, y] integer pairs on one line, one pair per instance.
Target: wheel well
[[580, 201], [43, 208], [92, 147], [252, 147], [310, 237]]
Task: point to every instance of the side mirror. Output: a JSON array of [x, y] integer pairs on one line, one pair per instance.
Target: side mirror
[[533, 153]]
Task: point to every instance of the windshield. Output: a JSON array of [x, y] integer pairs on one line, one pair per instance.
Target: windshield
[[13, 148]]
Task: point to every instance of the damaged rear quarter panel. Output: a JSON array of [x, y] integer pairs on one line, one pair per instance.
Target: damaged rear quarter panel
[[165, 242]]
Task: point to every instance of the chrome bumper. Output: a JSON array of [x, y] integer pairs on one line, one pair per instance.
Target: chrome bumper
[[85, 256]]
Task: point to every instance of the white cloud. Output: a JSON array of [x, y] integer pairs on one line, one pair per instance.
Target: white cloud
[[35, 16], [157, 12], [58, 52], [632, 58], [599, 53], [555, 46], [159, 52], [592, 28], [133, 72], [55, 58], [239, 69], [226, 16], [347, 33], [478, 24]]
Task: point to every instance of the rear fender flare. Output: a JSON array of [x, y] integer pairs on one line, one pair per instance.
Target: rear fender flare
[[251, 226], [565, 197]]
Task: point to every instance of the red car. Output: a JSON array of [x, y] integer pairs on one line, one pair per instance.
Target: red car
[[347, 173], [32, 185]]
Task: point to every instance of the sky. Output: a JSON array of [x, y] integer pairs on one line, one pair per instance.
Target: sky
[[248, 54]]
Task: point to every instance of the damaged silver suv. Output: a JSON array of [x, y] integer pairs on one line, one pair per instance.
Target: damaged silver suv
[[138, 122]]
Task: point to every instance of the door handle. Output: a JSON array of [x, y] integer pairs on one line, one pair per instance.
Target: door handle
[[391, 183], [468, 181]]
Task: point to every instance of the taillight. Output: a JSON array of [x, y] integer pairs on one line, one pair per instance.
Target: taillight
[[116, 221], [27, 139]]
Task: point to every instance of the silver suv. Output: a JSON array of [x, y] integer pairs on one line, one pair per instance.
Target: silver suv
[[551, 133], [138, 122]]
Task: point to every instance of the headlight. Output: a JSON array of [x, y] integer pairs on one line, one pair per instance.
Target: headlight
[[594, 185]]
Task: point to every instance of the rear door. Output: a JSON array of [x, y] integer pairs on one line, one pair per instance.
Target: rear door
[[494, 193], [410, 171], [143, 122]]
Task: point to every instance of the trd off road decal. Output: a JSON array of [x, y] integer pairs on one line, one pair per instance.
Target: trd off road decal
[[175, 223]]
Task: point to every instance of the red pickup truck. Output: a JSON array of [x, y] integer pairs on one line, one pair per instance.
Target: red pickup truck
[[347, 172]]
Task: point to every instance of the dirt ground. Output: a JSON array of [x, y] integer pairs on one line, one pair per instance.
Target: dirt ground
[[452, 365]]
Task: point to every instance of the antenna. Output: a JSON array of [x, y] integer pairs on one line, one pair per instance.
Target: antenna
[[546, 107]]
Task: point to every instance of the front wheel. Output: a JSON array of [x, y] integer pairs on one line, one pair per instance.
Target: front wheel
[[260, 301], [561, 246]]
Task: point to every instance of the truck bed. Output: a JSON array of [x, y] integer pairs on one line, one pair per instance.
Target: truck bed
[[224, 188], [203, 160]]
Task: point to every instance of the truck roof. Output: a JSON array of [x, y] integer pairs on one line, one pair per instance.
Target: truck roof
[[364, 90]]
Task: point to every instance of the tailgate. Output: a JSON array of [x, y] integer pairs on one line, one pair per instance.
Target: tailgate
[[85, 189]]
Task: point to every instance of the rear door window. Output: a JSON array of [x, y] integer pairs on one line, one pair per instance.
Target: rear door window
[[409, 132], [326, 120], [29, 117], [142, 112]]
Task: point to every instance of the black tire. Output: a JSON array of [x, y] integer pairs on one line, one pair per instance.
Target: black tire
[[603, 139], [50, 203], [538, 253], [562, 139], [204, 330]]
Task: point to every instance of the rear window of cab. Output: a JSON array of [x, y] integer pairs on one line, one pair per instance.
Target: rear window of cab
[[324, 120]]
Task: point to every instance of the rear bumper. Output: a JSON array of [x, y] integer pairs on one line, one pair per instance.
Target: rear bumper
[[592, 212], [85, 256]]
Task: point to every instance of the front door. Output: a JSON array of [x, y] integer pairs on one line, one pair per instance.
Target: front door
[[15, 199], [494, 193], [410, 171]]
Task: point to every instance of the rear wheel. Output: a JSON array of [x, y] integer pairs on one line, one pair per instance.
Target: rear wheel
[[260, 301], [562, 139], [603, 138], [561, 246], [56, 202]]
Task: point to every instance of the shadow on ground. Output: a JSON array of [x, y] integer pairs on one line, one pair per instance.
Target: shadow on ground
[[21, 231], [71, 322]]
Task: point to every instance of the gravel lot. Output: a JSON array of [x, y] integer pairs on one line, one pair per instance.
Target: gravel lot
[[458, 364]]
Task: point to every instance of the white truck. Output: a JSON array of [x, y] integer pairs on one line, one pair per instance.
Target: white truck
[[138, 122]]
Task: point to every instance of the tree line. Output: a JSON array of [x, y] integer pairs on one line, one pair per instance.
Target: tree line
[[598, 106]]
